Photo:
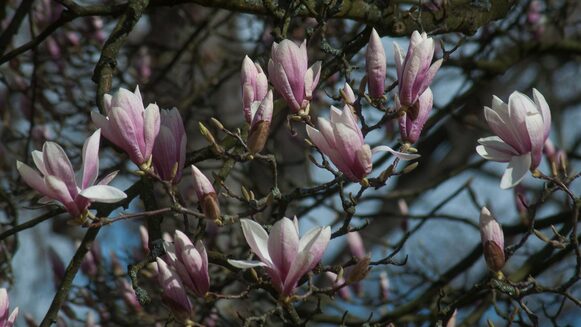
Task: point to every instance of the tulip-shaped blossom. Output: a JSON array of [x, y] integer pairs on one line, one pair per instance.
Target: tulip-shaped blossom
[[174, 293], [206, 194], [190, 262], [261, 113], [254, 86], [342, 140], [492, 240], [414, 72], [169, 151], [376, 65], [521, 126], [129, 125], [285, 257], [292, 78], [57, 177], [6, 318], [413, 120]]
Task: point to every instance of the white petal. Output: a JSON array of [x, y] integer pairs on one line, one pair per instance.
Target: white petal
[[495, 149], [516, 171], [103, 193], [245, 264], [257, 239], [401, 155]]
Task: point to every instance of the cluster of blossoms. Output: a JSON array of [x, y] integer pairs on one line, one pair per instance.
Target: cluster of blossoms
[[155, 140], [415, 72], [183, 267]]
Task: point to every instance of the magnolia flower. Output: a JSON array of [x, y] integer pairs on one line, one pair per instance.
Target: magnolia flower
[[413, 119], [521, 127], [190, 262], [492, 240], [261, 113], [206, 194], [376, 64], [169, 151], [174, 293], [254, 86], [342, 140], [414, 72], [129, 125], [6, 318], [289, 73], [285, 257], [57, 181]]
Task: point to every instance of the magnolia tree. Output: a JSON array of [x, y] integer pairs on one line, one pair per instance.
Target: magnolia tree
[[265, 163]]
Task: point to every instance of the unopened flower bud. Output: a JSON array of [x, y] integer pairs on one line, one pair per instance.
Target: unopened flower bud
[[206, 194], [492, 241], [347, 94], [376, 64], [260, 126], [359, 271]]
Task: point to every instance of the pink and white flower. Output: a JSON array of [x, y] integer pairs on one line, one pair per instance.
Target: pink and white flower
[[522, 127], [169, 151], [289, 73], [415, 70], [129, 125], [285, 256], [342, 141], [57, 181], [254, 86]]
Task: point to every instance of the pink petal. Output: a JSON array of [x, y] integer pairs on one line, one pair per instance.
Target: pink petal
[[39, 162], [544, 110], [534, 124], [151, 125], [91, 159], [281, 83], [283, 244], [107, 179], [57, 190], [57, 164], [125, 127], [32, 178], [312, 79], [519, 105]]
